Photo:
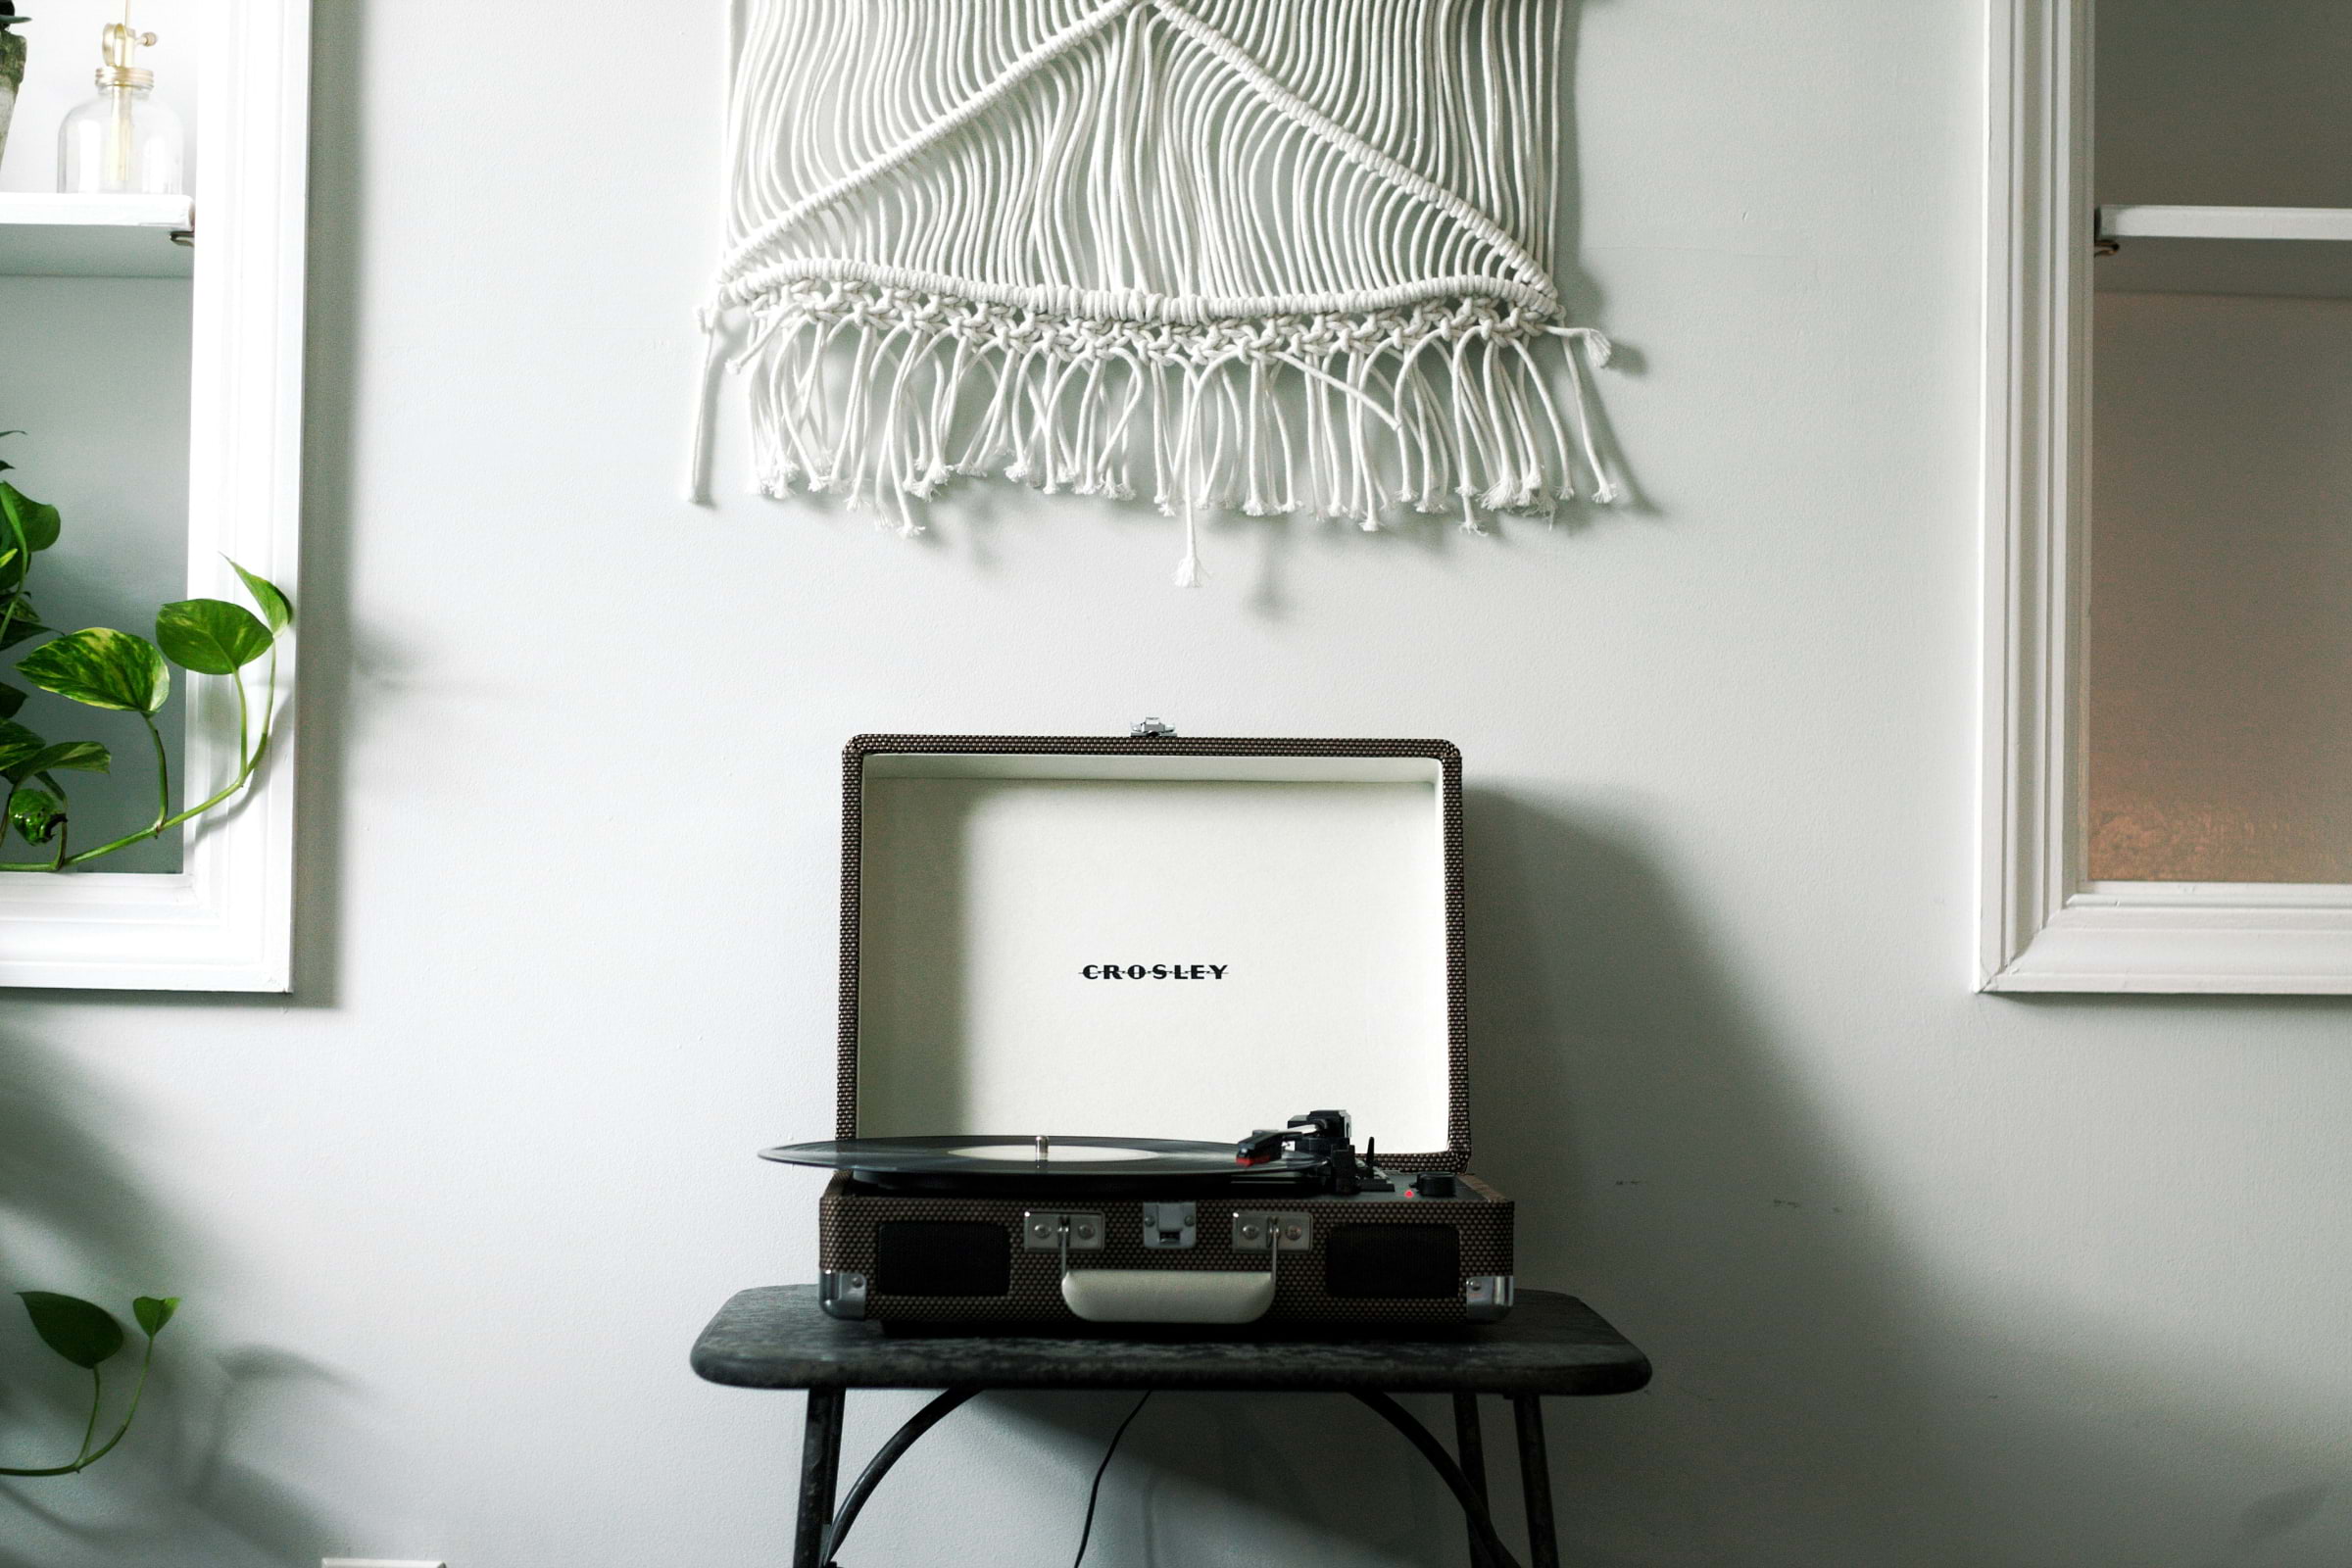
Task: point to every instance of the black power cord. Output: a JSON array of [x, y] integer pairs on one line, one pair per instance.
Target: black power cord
[[1093, 1494]]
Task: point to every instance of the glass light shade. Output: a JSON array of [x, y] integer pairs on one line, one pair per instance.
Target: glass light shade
[[122, 142]]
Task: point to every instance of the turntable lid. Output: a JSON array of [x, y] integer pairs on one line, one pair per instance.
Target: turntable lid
[[1174, 938]]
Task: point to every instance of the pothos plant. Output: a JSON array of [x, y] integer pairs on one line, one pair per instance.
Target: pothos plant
[[87, 1334], [100, 667]]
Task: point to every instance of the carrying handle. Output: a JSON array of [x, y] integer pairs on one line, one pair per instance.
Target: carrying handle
[[1167, 1296]]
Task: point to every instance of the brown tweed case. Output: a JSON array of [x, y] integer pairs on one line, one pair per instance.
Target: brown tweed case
[[1430, 1251], [1468, 1238]]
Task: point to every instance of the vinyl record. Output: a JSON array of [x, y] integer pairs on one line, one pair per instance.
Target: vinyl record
[[954, 1157]]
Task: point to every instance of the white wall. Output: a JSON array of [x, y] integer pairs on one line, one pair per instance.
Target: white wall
[[1929, 1278]]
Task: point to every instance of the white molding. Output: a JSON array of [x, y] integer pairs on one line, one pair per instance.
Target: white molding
[[2185, 937], [224, 922], [43, 234], [2042, 925], [50, 209]]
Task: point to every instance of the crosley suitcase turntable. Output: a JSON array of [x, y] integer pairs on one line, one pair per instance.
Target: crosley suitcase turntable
[[1048, 942]]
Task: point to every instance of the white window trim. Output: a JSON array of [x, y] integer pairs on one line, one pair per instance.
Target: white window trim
[[223, 922], [2044, 926]]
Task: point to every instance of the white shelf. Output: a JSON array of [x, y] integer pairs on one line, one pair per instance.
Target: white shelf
[[2226, 222], [94, 236]]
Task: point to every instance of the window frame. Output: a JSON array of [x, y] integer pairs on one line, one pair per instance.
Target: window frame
[[224, 921], [2044, 926]]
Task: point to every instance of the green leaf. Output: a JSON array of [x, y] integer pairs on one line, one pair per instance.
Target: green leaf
[[21, 622], [18, 744], [36, 814], [76, 757], [153, 1311], [276, 609], [209, 635], [11, 700], [22, 755], [102, 668], [36, 521], [83, 1331]]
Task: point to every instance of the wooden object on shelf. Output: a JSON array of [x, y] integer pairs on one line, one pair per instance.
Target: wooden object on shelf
[[95, 236]]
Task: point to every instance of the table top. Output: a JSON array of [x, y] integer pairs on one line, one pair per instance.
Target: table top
[[776, 1336]]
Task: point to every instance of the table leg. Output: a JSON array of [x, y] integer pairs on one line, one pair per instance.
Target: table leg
[[820, 1467], [1470, 1449], [890, 1453], [1498, 1555], [1535, 1478]]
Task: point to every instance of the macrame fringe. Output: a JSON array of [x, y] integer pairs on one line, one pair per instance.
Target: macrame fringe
[[883, 395]]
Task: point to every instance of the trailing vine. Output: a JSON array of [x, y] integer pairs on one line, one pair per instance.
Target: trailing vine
[[87, 1334], [119, 672]]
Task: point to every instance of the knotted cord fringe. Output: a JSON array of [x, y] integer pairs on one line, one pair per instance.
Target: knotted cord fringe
[[1255, 255]]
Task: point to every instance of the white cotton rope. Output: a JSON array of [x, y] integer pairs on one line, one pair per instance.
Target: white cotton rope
[[1268, 256]]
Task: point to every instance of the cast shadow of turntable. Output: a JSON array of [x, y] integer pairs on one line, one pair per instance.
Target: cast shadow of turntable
[[1670, 1170], [1665, 1172]]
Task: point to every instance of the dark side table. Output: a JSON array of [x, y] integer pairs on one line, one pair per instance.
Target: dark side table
[[776, 1338]]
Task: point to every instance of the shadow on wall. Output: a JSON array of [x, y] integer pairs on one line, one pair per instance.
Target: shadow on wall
[[1818, 1399], [74, 1217], [1673, 1175], [1305, 1479], [1664, 1171], [187, 1485]]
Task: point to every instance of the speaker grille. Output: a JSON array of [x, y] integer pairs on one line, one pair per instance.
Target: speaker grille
[[942, 1258], [1416, 1263]]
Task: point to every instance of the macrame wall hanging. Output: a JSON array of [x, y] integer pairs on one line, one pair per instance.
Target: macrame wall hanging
[[1268, 255]]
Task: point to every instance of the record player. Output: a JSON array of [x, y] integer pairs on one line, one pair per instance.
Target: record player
[[1049, 941]]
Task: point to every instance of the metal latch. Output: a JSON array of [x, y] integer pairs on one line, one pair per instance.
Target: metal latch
[[1254, 1230], [1153, 729], [1053, 1230], [1169, 1225]]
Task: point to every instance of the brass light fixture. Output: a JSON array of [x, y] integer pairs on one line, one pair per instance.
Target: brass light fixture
[[122, 141]]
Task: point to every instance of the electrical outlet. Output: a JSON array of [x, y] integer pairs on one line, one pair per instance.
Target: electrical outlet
[[377, 1562]]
